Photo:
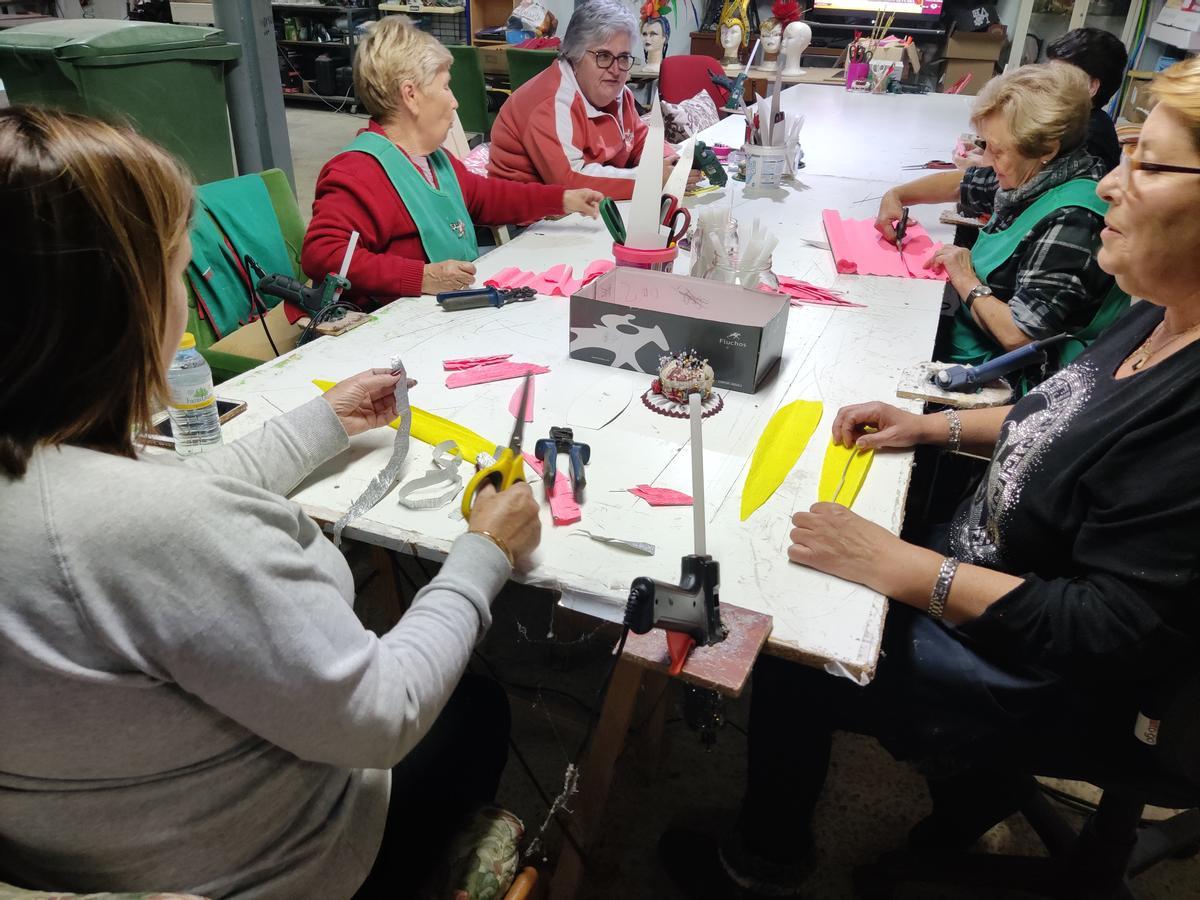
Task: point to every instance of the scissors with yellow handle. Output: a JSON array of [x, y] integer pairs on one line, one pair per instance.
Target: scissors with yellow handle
[[509, 467]]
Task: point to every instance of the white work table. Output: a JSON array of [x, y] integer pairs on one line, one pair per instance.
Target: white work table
[[833, 355]]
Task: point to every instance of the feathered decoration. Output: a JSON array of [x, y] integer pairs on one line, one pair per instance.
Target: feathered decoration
[[654, 9], [786, 12]]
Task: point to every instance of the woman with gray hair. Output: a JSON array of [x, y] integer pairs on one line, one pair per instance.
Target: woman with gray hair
[[576, 124], [414, 206]]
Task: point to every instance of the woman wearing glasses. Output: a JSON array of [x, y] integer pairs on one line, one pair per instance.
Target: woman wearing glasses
[[415, 208], [1033, 272], [1063, 602], [575, 123]]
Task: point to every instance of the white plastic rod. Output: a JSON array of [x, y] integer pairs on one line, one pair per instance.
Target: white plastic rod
[[350, 247], [697, 417]]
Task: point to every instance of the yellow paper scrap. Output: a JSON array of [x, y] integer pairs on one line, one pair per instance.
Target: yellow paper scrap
[[779, 446], [434, 429], [843, 473]]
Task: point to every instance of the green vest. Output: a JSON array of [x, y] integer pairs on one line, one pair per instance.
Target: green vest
[[970, 344], [440, 213]]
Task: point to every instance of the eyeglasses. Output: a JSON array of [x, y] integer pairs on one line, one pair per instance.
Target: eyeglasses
[[1129, 165], [604, 60]]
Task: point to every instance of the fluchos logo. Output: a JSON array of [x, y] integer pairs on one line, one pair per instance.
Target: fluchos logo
[[733, 339]]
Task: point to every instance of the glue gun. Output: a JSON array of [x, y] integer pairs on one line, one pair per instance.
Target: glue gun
[[311, 299], [735, 86], [968, 379], [692, 607], [706, 161]]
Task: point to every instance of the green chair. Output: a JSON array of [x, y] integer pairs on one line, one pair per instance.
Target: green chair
[[291, 225], [471, 91], [524, 64]]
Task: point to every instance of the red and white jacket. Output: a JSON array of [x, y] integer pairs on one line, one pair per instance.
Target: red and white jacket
[[547, 131]]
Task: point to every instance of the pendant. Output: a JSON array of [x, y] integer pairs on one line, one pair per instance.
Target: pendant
[[458, 228]]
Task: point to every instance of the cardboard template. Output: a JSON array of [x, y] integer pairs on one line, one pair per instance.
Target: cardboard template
[[629, 318]]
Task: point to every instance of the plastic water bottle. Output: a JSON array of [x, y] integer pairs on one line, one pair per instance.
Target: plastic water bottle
[[195, 421]]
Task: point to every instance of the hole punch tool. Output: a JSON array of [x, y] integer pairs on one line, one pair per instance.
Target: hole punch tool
[[562, 440], [477, 298], [690, 611]]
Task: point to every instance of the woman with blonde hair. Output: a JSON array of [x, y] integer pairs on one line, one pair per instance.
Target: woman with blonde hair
[[188, 700], [414, 206], [1032, 273], [1062, 602]]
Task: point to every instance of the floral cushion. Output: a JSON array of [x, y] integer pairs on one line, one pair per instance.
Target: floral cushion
[[8, 892], [481, 862], [682, 120]]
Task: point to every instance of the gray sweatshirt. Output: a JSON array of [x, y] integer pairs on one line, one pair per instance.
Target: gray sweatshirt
[[187, 701]]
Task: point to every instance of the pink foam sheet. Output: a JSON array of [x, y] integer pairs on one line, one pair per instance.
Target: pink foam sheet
[[515, 403], [557, 281], [661, 496], [470, 362], [563, 508], [799, 292], [858, 249], [494, 372]]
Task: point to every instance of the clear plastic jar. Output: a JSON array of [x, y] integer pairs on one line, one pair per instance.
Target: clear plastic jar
[[728, 271]]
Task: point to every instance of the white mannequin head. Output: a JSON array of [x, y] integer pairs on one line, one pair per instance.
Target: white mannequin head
[[796, 38], [654, 41], [731, 38]]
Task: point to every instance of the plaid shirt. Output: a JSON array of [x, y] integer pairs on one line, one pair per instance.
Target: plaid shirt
[[1052, 283]]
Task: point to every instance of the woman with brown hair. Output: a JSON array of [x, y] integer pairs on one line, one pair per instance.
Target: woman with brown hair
[[188, 701]]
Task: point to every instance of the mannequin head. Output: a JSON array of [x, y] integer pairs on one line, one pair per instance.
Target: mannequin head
[[771, 36], [796, 38], [732, 38], [735, 25], [655, 34]]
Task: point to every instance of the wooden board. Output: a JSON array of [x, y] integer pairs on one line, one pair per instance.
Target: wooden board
[[723, 667]]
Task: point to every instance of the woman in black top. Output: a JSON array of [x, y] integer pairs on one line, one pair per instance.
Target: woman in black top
[[1067, 600]]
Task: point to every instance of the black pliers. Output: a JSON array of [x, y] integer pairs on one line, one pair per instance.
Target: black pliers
[[562, 440]]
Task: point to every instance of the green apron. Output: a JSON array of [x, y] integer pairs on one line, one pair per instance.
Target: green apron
[[970, 344], [440, 213]]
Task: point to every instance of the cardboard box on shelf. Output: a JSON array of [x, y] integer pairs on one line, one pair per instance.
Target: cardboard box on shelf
[[907, 58], [628, 318], [1136, 105], [251, 341], [980, 70]]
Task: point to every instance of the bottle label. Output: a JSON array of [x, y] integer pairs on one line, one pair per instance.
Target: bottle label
[[195, 398]]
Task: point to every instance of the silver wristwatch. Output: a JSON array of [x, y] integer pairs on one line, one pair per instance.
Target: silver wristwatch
[[980, 290]]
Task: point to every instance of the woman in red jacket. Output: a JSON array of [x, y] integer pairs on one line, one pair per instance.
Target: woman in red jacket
[[413, 205]]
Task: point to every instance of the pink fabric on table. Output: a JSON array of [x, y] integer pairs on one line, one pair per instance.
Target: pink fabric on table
[[494, 372], [799, 292], [563, 508], [470, 362], [556, 281], [858, 249], [661, 496], [515, 402]]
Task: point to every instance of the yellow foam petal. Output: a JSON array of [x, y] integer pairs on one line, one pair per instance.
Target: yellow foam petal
[[851, 462], [434, 429], [779, 446]]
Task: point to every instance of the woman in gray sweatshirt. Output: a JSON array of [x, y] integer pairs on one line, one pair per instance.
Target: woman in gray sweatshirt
[[187, 700]]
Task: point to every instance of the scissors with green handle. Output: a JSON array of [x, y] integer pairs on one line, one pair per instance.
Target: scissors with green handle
[[509, 467]]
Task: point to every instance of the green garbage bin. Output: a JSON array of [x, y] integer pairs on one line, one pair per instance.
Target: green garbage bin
[[165, 81]]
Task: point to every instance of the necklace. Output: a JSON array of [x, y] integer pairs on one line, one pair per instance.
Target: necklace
[[1142, 355]]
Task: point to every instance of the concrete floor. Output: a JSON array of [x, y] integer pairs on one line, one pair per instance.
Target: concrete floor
[[870, 800]]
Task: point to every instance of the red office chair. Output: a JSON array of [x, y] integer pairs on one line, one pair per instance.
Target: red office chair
[[683, 77]]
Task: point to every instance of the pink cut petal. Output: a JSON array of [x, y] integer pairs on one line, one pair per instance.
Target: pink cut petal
[[469, 362], [516, 401], [494, 372], [563, 508], [661, 496]]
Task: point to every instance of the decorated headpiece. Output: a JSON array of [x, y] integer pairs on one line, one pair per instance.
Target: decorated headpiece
[[735, 12], [786, 12], [656, 9]]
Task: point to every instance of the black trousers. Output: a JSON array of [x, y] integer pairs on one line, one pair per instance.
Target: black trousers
[[973, 720], [455, 769]]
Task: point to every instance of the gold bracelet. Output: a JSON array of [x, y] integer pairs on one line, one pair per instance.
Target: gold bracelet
[[503, 547]]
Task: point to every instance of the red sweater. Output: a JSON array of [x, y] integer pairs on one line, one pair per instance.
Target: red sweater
[[354, 194]]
